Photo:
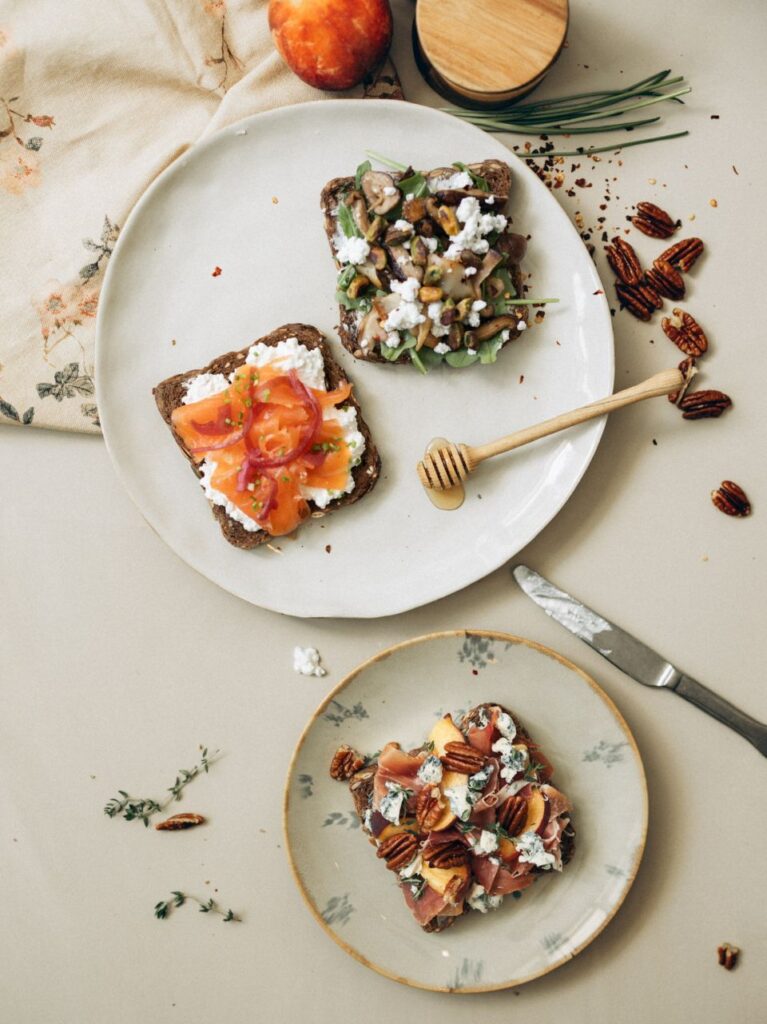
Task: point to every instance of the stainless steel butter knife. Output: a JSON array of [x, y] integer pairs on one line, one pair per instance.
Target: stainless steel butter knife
[[633, 657]]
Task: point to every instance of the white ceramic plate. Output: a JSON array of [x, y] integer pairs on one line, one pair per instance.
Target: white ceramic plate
[[398, 695], [247, 200]]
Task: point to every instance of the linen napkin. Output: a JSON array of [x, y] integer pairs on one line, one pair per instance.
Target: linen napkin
[[95, 101]]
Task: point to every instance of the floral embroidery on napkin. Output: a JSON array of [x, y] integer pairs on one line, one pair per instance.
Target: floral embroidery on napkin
[[19, 168]]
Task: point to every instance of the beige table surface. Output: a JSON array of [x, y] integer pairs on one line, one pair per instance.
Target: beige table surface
[[112, 671]]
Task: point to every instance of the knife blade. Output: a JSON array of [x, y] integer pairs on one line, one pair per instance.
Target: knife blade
[[632, 656]]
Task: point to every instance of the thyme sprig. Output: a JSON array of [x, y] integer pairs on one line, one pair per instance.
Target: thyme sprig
[[164, 907], [142, 808], [587, 112]]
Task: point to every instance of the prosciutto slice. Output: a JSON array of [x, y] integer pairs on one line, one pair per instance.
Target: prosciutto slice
[[431, 904], [512, 880], [394, 765], [483, 739], [489, 796], [558, 802], [485, 871]]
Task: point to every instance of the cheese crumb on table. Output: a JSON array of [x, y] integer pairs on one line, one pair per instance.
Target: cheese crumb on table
[[308, 662]]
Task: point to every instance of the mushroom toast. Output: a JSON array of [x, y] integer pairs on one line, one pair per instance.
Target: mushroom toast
[[428, 268], [273, 434], [464, 820]]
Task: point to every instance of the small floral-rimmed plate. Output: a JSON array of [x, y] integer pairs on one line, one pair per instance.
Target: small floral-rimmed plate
[[398, 695]]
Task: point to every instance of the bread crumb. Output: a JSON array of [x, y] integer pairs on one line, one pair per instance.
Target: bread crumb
[[328, 548], [216, 272], [275, 200], [173, 341], [691, 217], [713, 202], [652, 181]]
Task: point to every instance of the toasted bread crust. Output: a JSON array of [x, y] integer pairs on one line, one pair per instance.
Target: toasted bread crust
[[169, 394], [498, 176]]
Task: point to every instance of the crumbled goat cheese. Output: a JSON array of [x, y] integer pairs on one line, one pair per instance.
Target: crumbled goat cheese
[[441, 348], [430, 243], [475, 226], [408, 313], [521, 325], [473, 318], [353, 250], [451, 181], [306, 661], [389, 190], [469, 271], [438, 329], [404, 225]]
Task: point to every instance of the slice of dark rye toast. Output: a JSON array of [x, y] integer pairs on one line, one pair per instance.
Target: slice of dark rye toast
[[362, 781], [496, 173], [169, 394]]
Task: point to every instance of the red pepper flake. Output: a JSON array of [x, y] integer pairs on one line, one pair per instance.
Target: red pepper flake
[[598, 292], [216, 272], [521, 378], [475, 672], [715, 117]]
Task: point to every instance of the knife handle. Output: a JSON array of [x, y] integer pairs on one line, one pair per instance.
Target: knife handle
[[699, 695]]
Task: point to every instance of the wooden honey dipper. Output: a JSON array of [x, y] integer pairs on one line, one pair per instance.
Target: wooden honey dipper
[[446, 465]]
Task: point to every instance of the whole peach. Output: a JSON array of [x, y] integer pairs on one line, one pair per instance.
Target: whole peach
[[331, 44]]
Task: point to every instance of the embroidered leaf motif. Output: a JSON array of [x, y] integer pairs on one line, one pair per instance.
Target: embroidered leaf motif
[[28, 416], [88, 271], [90, 411], [8, 410], [67, 383], [34, 143]]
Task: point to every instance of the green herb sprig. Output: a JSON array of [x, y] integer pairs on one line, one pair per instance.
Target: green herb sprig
[[164, 907], [143, 808], [585, 113]]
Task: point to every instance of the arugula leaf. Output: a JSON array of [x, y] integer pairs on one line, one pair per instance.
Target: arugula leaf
[[488, 350], [501, 304], [347, 222], [416, 184], [461, 358], [478, 180], [362, 169], [417, 361], [393, 354], [363, 303], [430, 358]]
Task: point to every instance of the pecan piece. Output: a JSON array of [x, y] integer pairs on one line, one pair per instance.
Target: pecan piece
[[345, 763], [398, 850], [462, 757], [453, 889], [689, 368], [512, 815], [684, 254], [641, 300], [727, 955], [179, 821], [731, 499], [624, 261], [665, 279], [450, 855], [700, 405], [686, 333], [652, 221], [429, 808]]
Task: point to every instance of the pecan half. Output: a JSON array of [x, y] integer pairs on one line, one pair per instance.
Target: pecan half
[[686, 333], [700, 405], [665, 279], [731, 499], [641, 300], [429, 808], [450, 855], [179, 821], [683, 254], [462, 757], [512, 815], [624, 261], [398, 850], [345, 763], [453, 889], [652, 221], [728, 955], [689, 368]]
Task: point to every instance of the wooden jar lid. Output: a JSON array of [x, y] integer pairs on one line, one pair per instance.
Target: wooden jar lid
[[487, 52]]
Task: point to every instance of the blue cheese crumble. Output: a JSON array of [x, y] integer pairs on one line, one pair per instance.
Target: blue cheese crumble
[[393, 804], [431, 770], [479, 899], [513, 759], [531, 851]]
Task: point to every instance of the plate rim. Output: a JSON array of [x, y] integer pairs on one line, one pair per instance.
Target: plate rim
[[491, 634], [204, 143]]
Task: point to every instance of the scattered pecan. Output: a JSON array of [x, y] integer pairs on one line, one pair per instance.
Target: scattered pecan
[[429, 808], [512, 815], [179, 821], [450, 855], [731, 499], [345, 763], [665, 279], [689, 368], [728, 955], [700, 405], [686, 333], [624, 261], [684, 254], [652, 221], [398, 850], [641, 300], [453, 889], [462, 757]]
